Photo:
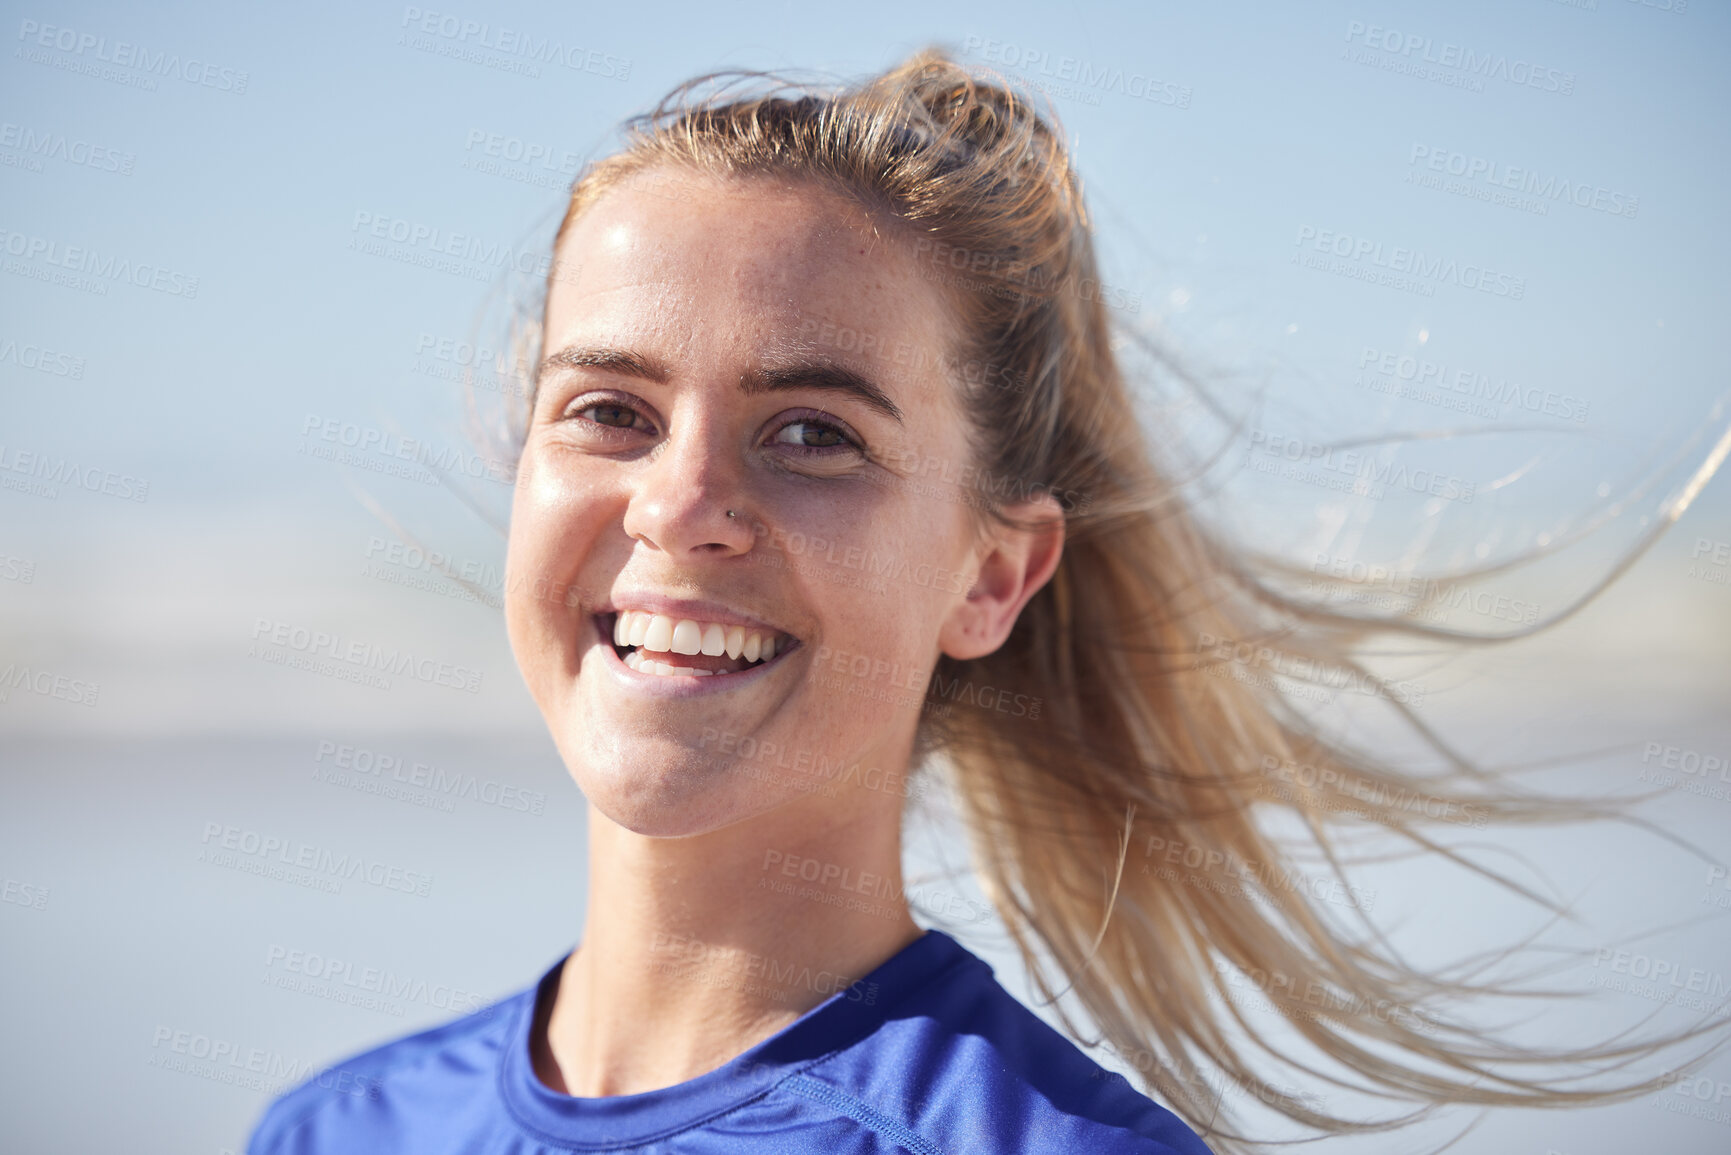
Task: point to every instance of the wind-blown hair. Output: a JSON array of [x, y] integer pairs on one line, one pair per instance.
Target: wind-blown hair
[[1121, 833]]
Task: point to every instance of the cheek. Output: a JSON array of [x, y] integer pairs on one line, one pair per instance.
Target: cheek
[[552, 526], [553, 518], [887, 623]]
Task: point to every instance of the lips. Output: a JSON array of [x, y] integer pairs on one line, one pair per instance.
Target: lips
[[669, 646]]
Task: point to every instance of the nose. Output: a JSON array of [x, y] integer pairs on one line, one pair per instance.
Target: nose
[[680, 499]]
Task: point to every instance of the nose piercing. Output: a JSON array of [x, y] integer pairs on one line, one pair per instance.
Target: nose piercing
[[730, 513]]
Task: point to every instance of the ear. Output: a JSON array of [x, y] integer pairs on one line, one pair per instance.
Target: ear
[[1013, 565]]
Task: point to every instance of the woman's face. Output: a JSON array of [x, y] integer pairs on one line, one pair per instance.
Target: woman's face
[[703, 353]]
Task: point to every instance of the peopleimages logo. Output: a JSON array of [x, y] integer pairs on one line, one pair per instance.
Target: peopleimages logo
[[1227, 653], [1092, 79], [47, 684], [1470, 383], [1364, 474], [41, 359], [465, 39], [1517, 178], [359, 765], [1411, 49], [778, 975], [43, 474], [1401, 591], [121, 54], [81, 259], [1365, 256], [362, 656], [44, 145], [254, 1068], [343, 980], [368, 439], [445, 251], [531, 154], [320, 864]]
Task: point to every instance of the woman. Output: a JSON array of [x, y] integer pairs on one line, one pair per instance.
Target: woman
[[828, 467]]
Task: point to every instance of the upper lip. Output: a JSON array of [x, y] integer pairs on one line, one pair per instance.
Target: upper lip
[[697, 611]]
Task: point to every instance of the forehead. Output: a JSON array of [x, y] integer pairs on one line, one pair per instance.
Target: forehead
[[750, 261]]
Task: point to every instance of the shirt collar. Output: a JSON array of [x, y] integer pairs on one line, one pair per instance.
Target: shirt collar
[[593, 1124]]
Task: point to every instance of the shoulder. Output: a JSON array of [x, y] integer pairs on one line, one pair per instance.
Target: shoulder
[[450, 1064], [961, 1065]]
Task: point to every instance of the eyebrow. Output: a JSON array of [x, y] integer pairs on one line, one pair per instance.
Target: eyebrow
[[804, 375], [612, 360], [827, 378]]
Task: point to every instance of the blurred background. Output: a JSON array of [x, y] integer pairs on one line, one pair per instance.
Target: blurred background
[[1453, 275]]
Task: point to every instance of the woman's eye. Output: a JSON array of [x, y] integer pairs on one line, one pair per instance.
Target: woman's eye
[[618, 416], [611, 414], [812, 435]]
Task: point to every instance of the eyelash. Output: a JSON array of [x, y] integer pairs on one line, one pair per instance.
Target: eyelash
[[808, 417]]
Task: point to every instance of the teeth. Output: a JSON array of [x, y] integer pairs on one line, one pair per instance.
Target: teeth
[[643, 665], [687, 637], [659, 633]]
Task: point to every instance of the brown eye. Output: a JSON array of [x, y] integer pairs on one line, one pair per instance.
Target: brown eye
[[617, 416], [810, 435]]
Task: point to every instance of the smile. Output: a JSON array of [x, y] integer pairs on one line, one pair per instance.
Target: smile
[[669, 647]]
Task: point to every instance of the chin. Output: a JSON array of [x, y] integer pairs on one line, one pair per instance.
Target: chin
[[661, 789]]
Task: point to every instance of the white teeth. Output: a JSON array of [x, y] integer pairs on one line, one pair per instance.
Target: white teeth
[[687, 637], [636, 661], [658, 633]]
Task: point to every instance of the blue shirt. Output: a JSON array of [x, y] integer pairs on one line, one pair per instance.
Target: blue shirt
[[928, 1054]]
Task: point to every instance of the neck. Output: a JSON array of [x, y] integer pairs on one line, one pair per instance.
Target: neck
[[697, 948]]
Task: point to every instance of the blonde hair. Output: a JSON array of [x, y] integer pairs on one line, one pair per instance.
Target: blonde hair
[[1140, 743]]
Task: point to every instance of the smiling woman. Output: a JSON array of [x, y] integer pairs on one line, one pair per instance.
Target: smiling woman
[[679, 392], [749, 975]]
